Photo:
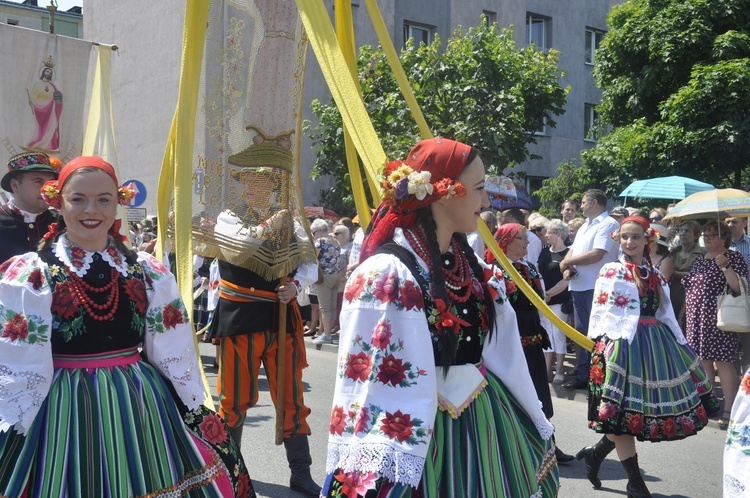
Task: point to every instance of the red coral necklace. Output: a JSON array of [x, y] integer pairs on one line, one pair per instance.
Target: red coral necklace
[[457, 277], [82, 290]]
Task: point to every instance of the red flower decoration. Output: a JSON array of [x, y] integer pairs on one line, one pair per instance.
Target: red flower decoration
[[363, 421], [606, 411], [602, 298], [669, 427], [510, 287], [611, 272], [171, 316], [599, 346], [597, 374], [688, 426], [635, 423], [355, 484], [702, 415], [355, 289], [244, 486], [397, 426], [36, 278], [386, 288], [64, 301], [16, 328], [338, 420], [745, 384], [621, 301], [391, 371], [381, 336], [654, 426], [7, 264], [212, 429], [137, 293], [358, 366], [411, 296]]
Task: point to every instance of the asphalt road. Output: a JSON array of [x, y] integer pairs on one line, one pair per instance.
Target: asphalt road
[[688, 468]]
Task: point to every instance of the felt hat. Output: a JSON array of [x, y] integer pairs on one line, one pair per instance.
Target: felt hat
[[25, 162]]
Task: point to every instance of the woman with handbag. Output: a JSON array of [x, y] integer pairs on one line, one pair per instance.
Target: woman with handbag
[[708, 279], [646, 383]]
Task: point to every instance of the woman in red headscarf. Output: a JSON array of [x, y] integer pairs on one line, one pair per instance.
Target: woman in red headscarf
[[646, 382], [432, 396], [101, 388]]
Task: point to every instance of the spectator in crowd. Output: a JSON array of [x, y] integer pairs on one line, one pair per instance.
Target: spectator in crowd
[[328, 259], [683, 257], [659, 252], [574, 225], [568, 210]]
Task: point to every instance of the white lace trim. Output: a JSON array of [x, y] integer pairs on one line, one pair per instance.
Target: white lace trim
[[17, 402], [544, 427], [393, 465], [62, 251], [632, 379]]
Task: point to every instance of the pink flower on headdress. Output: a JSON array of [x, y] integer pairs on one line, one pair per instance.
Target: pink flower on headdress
[[51, 194]]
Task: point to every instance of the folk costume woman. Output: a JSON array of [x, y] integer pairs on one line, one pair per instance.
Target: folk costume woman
[[432, 396], [101, 390], [646, 382]]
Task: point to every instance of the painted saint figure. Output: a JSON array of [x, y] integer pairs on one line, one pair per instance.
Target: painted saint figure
[[46, 103]]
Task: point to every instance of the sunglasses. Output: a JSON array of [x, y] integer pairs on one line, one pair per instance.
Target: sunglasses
[[655, 219]]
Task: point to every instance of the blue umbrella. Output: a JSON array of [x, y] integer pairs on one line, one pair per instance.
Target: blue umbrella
[[668, 187]]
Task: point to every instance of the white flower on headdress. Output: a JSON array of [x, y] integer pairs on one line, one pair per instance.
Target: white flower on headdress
[[419, 184]]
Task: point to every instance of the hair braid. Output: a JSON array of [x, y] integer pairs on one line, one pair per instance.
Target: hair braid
[[448, 343]]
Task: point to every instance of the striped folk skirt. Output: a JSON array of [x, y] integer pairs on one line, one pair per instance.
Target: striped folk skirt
[[492, 449], [652, 388], [111, 427]]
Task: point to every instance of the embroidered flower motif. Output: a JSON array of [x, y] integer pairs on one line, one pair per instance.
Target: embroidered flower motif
[[654, 429], [635, 423], [76, 256], [599, 346], [114, 254], [628, 277], [381, 336], [391, 371], [212, 429], [621, 301], [745, 384], [610, 273], [602, 298], [386, 288], [36, 279], [355, 289], [244, 486], [606, 411], [702, 415], [411, 296], [510, 287], [16, 268], [355, 484], [137, 293], [172, 316], [397, 426], [596, 374], [362, 424], [669, 428], [688, 427], [358, 366], [64, 301], [338, 421], [6, 265], [16, 328]]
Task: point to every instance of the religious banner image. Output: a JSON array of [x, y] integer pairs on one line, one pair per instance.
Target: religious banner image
[[43, 90]]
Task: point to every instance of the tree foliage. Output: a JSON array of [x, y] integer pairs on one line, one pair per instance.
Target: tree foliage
[[675, 76], [481, 90], [570, 184]]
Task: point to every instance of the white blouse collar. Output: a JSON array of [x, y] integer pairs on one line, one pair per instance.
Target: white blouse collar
[[79, 260]]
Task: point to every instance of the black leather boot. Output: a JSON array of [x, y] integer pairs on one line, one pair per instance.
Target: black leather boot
[[636, 485], [298, 456], [236, 434], [594, 456]]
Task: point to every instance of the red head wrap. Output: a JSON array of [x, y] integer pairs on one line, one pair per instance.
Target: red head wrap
[[637, 219], [506, 233], [444, 159]]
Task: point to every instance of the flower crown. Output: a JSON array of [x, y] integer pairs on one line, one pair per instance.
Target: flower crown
[[52, 196], [399, 181], [650, 234]]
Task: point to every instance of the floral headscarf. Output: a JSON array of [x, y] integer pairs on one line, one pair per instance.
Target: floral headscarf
[[427, 174]]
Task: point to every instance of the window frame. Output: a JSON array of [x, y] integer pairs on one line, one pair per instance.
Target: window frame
[[592, 40], [409, 26], [545, 21], [590, 118]]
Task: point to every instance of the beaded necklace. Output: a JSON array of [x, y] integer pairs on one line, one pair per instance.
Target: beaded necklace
[[82, 290], [648, 283], [458, 276]]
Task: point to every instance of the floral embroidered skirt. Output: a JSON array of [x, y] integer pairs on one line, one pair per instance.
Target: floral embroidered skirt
[[492, 450], [652, 388], [118, 432]]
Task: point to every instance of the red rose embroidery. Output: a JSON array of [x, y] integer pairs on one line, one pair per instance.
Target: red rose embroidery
[[510, 287], [212, 429], [397, 426], [16, 267], [355, 484], [599, 347], [621, 301], [669, 428], [338, 421], [355, 289], [688, 427], [76, 256], [386, 288], [137, 293], [16, 328], [635, 423], [171, 316], [358, 366], [36, 279], [411, 296], [6, 265], [602, 298], [381, 336], [611, 272], [363, 421], [745, 384], [606, 411], [64, 301], [702, 415], [244, 486], [391, 371], [597, 374]]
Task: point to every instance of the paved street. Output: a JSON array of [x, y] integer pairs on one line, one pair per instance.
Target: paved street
[[690, 468]]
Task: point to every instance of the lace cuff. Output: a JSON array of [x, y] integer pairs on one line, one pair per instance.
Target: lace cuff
[[544, 427], [394, 466]]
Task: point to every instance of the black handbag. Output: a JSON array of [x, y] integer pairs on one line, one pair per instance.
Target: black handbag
[[567, 307]]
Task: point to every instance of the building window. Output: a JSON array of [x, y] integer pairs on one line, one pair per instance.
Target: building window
[[491, 17], [537, 31], [534, 183], [593, 39], [590, 117], [419, 33]]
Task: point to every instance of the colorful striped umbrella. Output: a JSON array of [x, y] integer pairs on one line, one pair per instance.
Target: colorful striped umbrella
[[721, 203]]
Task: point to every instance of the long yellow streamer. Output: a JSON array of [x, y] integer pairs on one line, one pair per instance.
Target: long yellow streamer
[[177, 167]]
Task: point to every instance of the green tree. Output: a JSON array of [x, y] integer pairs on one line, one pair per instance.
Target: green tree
[[569, 184], [675, 76], [480, 90]]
